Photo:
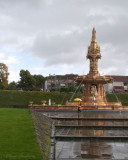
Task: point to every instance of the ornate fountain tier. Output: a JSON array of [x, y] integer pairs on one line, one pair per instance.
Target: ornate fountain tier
[[93, 80], [94, 92]]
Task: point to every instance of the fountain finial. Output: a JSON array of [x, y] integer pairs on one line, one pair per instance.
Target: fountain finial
[[94, 35]]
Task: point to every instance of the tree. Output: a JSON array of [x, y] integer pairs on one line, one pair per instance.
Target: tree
[[67, 89], [63, 89], [71, 89], [27, 81], [12, 86], [39, 82], [3, 76]]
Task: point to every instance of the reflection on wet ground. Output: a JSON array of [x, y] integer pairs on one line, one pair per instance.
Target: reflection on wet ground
[[88, 149], [91, 150]]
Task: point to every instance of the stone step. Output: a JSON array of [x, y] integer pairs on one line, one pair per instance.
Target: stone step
[[91, 138], [92, 127], [89, 119]]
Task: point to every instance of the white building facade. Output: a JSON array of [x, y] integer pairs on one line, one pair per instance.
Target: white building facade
[[119, 85]]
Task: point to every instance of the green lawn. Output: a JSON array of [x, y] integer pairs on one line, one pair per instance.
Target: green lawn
[[17, 135]]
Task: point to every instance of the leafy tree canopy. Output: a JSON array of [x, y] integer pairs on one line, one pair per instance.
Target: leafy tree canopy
[[67, 89], [27, 82], [30, 82], [3, 76], [39, 82], [12, 86]]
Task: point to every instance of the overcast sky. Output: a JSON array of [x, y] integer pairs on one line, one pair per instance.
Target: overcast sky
[[52, 36]]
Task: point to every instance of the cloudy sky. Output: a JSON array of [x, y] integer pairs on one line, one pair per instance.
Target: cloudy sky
[[52, 36]]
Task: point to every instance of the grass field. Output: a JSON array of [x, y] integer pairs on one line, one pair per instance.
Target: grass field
[[17, 135]]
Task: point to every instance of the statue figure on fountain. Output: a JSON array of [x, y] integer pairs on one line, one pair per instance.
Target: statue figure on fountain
[[94, 93]]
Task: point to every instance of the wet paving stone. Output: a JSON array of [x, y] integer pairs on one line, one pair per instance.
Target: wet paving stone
[[90, 148]]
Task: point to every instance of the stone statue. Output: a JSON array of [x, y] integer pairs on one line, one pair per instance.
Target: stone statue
[[94, 94], [94, 91]]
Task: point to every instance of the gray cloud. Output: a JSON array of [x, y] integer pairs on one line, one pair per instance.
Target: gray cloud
[[59, 32]]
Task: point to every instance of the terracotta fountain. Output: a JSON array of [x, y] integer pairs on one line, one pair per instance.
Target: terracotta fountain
[[94, 93]]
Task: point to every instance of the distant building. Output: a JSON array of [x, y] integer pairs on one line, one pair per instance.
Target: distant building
[[119, 85], [55, 82]]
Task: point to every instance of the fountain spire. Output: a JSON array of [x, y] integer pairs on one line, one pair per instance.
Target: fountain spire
[[93, 35], [93, 44], [93, 55]]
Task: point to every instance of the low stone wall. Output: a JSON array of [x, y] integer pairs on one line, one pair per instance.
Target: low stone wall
[[43, 132], [56, 107], [69, 107]]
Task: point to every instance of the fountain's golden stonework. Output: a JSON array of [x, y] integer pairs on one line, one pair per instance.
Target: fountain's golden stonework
[[94, 93]]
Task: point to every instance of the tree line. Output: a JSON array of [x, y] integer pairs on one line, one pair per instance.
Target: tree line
[[27, 81]]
